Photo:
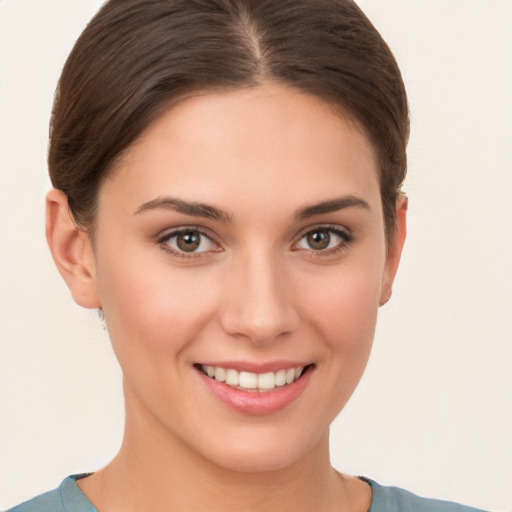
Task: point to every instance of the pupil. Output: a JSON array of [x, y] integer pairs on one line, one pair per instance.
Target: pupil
[[319, 240], [188, 241]]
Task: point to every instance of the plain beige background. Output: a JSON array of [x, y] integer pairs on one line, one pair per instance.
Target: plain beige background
[[434, 411]]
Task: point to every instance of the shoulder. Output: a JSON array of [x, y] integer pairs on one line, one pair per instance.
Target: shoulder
[[394, 499], [66, 498], [49, 501]]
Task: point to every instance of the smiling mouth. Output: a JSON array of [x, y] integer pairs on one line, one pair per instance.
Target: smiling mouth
[[248, 381]]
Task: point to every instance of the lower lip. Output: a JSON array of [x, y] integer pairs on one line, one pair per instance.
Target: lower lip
[[258, 402]]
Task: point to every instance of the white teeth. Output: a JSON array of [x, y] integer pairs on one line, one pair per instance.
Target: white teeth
[[232, 377], [248, 380], [220, 374], [281, 378], [267, 380], [253, 381]]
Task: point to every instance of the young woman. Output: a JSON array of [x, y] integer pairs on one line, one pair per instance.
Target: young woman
[[227, 192]]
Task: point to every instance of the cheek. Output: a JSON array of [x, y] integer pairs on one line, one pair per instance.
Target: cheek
[[152, 308], [349, 328], [345, 319], [346, 307]]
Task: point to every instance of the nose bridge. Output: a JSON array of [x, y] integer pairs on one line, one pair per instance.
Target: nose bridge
[[259, 300]]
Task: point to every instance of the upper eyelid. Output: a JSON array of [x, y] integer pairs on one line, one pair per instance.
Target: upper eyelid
[[328, 227], [344, 233], [170, 232], [166, 235]]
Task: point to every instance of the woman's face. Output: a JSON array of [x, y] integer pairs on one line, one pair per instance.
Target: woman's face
[[242, 238]]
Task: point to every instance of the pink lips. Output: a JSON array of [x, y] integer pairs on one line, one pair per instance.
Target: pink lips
[[257, 402]]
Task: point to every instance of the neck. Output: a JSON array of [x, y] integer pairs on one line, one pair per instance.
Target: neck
[[158, 472]]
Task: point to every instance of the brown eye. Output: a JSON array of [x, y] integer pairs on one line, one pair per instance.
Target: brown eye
[[188, 241], [324, 240], [319, 239]]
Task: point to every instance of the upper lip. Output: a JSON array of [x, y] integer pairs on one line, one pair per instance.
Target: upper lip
[[253, 367]]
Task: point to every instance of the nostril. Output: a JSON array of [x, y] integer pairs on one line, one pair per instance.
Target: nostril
[[260, 327]]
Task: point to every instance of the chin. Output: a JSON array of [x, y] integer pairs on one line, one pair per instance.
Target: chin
[[264, 453]]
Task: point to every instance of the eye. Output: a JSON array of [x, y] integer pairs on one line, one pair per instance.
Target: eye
[[324, 239], [188, 241]]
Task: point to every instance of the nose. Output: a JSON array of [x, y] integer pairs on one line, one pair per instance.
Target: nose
[[258, 301]]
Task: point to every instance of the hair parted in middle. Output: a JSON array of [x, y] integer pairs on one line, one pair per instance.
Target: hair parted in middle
[[136, 58]]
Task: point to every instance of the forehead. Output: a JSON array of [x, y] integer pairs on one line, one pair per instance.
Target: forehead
[[264, 143]]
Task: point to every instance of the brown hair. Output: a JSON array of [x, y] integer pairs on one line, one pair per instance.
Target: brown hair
[[136, 57]]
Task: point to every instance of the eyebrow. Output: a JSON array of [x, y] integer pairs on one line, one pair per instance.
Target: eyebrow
[[193, 208], [198, 209], [332, 205]]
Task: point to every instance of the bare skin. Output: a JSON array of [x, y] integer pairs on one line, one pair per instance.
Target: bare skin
[[200, 486], [256, 289]]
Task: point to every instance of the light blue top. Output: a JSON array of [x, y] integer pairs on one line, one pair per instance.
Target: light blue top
[[69, 498]]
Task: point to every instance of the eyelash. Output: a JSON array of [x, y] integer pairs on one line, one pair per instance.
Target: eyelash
[[163, 241], [346, 239]]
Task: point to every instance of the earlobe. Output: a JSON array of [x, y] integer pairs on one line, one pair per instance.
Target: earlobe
[[394, 252], [72, 250]]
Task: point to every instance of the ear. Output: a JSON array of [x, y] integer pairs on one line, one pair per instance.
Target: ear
[[72, 250], [395, 247]]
